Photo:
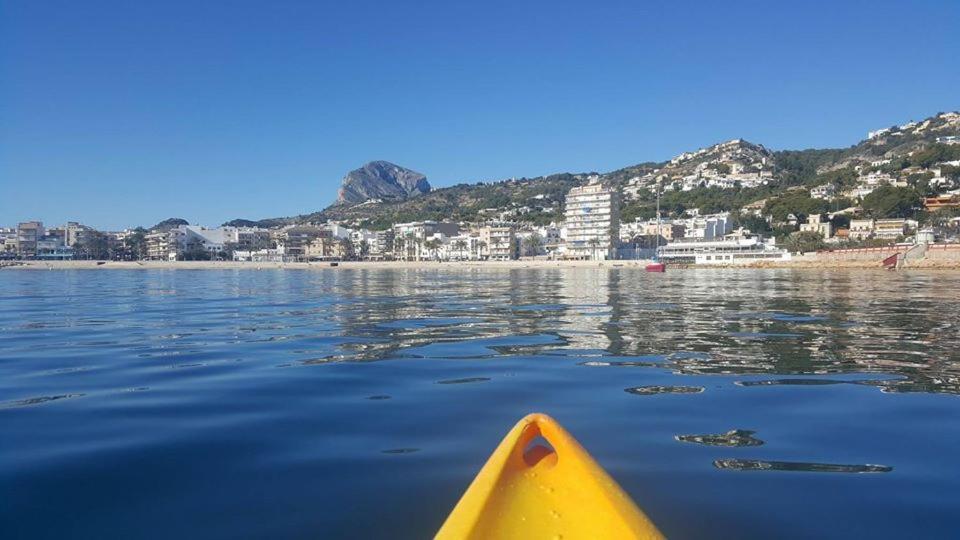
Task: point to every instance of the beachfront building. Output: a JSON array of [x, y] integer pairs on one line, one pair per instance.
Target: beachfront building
[[28, 234], [160, 247], [733, 250], [463, 247], [410, 240], [498, 241], [592, 215], [327, 247], [381, 247], [295, 239], [260, 255], [8, 242]]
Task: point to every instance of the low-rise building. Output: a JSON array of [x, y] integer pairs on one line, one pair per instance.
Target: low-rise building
[[826, 192], [295, 239], [861, 229], [816, 224], [498, 241], [260, 255], [327, 247], [410, 238], [941, 201], [890, 229], [706, 227], [733, 250]]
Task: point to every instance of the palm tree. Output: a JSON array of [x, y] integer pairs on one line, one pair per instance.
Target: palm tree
[[595, 244], [410, 243], [480, 247], [432, 246], [398, 247], [460, 246], [346, 248], [532, 244], [418, 244], [496, 244]]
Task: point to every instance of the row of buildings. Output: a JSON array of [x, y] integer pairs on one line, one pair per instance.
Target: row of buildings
[[31, 240], [591, 230]]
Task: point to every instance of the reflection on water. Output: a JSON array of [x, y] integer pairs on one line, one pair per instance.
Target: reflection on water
[[734, 437], [745, 325], [464, 380], [656, 389], [310, 402], [796, 466]]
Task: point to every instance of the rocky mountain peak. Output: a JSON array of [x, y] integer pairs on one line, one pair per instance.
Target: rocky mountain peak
[[381, 180]]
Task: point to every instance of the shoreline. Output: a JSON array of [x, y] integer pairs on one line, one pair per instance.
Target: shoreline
[[805, 264]]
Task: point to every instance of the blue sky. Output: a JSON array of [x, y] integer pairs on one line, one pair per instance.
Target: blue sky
[[119, 113]]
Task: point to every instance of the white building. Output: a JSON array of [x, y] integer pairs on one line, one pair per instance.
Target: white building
[[817, 225], [706, 227], [826, 192], [592, 216], [722, 251]]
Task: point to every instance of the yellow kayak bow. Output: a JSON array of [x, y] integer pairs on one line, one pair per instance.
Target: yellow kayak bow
[[527, 490]]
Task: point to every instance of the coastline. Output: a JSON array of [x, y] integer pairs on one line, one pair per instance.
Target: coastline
[[317, 265], [809, 263]]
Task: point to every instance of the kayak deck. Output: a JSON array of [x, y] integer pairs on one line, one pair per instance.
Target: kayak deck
[[530, 490]]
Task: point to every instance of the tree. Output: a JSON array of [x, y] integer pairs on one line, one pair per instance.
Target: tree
[[594, 245], [497, 243], [135, 245], [798, 203], [840, 221], [755, 224], [92, 245], [432, 247], [398, 246], [195, 251], [531, 245], [891, 202], [721, 168], [804, 241], [347, 248], [459, 246]]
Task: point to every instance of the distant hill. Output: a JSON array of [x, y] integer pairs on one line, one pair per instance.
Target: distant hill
[[378, 195], [170, 223]]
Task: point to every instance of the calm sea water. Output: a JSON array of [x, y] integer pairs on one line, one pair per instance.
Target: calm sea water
[[360, 403]]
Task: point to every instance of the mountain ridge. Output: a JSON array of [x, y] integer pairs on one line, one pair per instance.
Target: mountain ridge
[[740, 171]]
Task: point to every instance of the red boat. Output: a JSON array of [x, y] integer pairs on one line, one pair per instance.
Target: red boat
[[656, 267]]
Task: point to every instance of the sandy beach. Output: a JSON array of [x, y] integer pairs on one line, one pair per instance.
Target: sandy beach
[[797, 263], [368, 265]]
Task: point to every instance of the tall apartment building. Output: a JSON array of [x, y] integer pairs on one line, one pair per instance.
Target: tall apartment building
[[592, 216]]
